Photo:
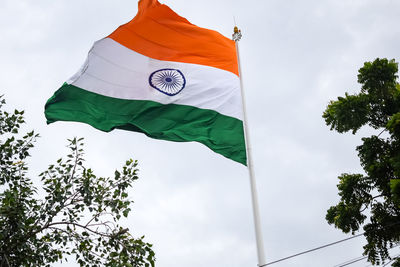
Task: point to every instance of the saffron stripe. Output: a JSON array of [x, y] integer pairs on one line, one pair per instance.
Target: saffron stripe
[[158, 32]]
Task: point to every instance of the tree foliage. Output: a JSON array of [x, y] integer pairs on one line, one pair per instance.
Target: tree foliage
[[78, 216], [371, 200]]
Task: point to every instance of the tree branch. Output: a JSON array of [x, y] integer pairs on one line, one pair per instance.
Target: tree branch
[[78, 225], [369, 203]]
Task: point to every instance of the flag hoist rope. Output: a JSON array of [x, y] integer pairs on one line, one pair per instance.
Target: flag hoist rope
[[236, 36]]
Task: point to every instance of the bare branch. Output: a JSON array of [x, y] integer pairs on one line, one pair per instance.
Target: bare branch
[[78, 225]]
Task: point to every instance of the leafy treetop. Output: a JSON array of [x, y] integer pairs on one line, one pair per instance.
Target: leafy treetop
[[374, 195], [79, 214]]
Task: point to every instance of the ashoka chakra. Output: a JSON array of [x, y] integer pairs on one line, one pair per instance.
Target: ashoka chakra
[[167, 81]]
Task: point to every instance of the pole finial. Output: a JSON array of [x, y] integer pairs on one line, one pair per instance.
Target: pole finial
[[237, 34]]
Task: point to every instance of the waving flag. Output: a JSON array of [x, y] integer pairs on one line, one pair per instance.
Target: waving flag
[[162, 76]]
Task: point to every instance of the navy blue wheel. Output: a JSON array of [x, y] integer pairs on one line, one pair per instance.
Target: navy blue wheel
[[167, 81]]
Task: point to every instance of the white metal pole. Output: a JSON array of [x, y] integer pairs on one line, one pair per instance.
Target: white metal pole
[[237, 35]]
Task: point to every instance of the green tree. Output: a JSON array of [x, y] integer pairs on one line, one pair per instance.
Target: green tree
[[371, 200], [78, 216]]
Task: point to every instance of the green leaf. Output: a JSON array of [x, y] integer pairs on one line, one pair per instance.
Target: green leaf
[[395, 191]]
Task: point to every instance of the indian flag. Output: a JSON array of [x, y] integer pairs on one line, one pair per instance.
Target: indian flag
[[162, 76]]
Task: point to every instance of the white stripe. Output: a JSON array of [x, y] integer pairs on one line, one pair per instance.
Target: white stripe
[[116, 71]]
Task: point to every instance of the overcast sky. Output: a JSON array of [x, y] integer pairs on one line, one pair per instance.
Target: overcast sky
[[191, 203]]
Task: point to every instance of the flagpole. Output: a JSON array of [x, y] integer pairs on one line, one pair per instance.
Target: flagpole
[[236, 36]]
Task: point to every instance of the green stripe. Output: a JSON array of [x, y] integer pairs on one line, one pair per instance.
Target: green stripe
[[180, 123]]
